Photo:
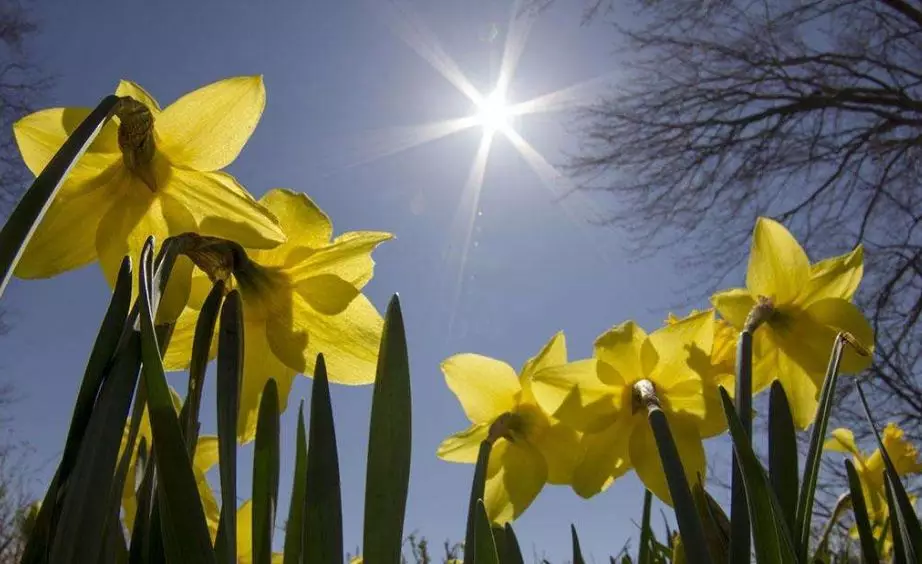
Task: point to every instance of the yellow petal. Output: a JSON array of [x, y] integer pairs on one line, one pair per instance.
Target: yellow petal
[[605, 457], [222, 209], [66, 237], [842, 440], [778, 266], [464, 446], [259, 364], [485, 387], [801, 389], [561, 448], [348, 256], [133, 90], [304, 222], [836, 277], [349, 340], [206, 129], [574, 394], [327, 294], [179, 352], [176, 294], [626, 350], [836, 315], [903, 454], [41, 134], [554, 353], [682, 347], [646, 460], [206, 453], [515, 476], [245, 533], [734, 306]]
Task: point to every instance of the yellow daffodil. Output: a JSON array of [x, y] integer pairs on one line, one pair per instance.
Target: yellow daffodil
[[603, 398], [149, 172], [532, 448], [300, 298], [802, 307], [245, 535], [870, 469], [206, 456]]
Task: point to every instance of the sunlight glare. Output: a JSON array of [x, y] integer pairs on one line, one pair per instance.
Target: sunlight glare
[[493, 112]]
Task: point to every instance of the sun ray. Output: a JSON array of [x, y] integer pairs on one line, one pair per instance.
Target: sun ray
[[563, 99], [410, 28], [520, 22], [464, 219], [376, 144]]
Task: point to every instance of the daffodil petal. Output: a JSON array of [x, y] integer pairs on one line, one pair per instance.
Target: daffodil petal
[[553, 353], [485, 387], [682, 347], [133, 90], [842, 440], [799, 386], [778, 266], [605, 457], [624, 349], [465, 445], [714, 421], [517, 473], [349, 340], [179, 351], [561, 448], [259, 364], [348, 256], [306, 224], [574, 394], [176, 294], [838, 315], [245, 533], [327, 294], [903, 454], [646, 459], [41, 134], [206, 129], [220, 209], [734, 306], [836, 277]]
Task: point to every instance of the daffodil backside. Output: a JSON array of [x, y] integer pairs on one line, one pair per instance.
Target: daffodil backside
[[599, 398], [149, 172], [804, 307], [300, 298], [531, 449]]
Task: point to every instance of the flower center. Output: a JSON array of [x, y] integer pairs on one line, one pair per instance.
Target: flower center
[[524, 423], [760, 313], [643, 396], [136, 139]]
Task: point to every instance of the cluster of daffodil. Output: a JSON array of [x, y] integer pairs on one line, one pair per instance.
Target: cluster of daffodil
[[583, 423], [158, 172]]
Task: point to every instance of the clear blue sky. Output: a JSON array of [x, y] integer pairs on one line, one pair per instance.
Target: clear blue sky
[[342, 87]]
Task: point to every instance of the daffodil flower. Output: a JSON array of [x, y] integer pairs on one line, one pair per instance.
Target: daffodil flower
[[245, 533], [870, 470], [300, 298], [532, 450], [149, 172], [802, 307], [605, 399]]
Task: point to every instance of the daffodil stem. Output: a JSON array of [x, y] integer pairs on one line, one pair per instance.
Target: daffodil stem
[[686, 513], [740, 542], [35, 202], [477, 488]]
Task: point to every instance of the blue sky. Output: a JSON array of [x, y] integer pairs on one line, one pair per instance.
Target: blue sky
[[343, 85]]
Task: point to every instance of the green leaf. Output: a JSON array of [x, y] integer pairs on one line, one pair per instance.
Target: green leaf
[[782, 453], [512, 554], [294, 524], [484, 546], [906, 515], [229, 376], [136, 550], [35, 202], [643, 554], [717, 529], [901, 554], [802, 528], [388, 472], [740, 546], [201, 349], [865, 534], [185, 531], [577, 553], [266, 473], [686, 514], [323, 518], [477, 487], [771, 538]]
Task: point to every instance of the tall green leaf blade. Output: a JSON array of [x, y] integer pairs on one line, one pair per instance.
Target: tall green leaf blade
[[865, 534], [266, 473], [477, 487], [185, 531], [512, 553], [136, 549], [577, 552], [28, 213], [322, 535], [771, 537], [294, 524], [229, 377], [901, 552], [782, 452], [484, 546], [201, 349], [686, 514], [387, 477], [716, 524], [644, 555], [802, 528], [740, 546]]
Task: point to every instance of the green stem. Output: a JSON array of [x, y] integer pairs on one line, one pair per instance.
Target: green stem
[[740, 542]]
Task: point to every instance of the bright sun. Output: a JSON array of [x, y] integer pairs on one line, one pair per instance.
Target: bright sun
[[492, 112]]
